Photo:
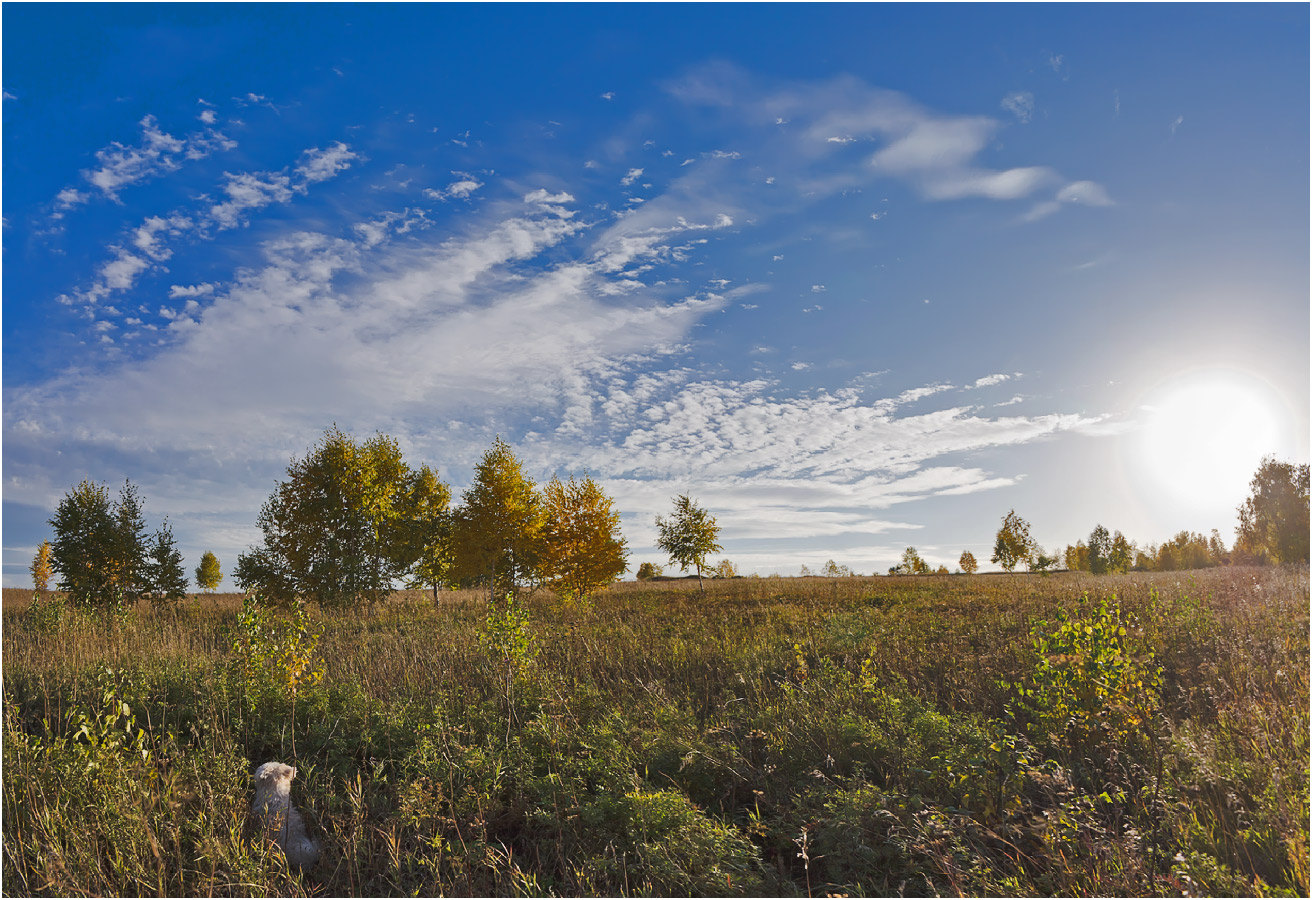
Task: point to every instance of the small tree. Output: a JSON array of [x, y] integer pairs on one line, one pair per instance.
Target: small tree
[[582, 548], [1100, 550], [432, 524], [647, 571], [688, 535], [1273, 521], [724, 569], [834, 570], [499, 524], [40, 569], [84, 551], [1013, 543], [1121, 557], [208, 574], [163, 578], [130, 544], [911, 564], [967, 562]]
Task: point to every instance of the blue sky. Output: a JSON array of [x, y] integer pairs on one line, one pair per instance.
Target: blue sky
[[855, 276]]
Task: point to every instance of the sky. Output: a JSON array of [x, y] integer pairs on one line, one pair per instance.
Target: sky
[[856, 277]]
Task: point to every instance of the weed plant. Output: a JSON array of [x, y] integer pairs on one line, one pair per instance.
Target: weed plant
[[967, 735]]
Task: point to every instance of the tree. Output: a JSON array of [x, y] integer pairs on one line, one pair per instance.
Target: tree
[[724, 569], [499, 524], [834, 570], [432, 526], [582, 548], [1273, 521], [1042, 562], [1013, 543], [942, 570], [98, 550], [40, 568], [340, 529], [967, 562], [130, 547], [688, 535], [647, 571], [163, 577], [1100, 550], [911, 564], [1121, 556], [208, 574]]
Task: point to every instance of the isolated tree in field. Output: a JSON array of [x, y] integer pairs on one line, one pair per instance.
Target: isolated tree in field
[[1013, 544], [582, 548], [723, 569], [98, 551], [163, 576], [1077, 557], [40, 568], [432, 524], [339, 530], [688, 535], [498, 526], [208, 574], [1041, 561], [967, 562], [647, 571], [834, 570], [911, 564], [1273, 522]]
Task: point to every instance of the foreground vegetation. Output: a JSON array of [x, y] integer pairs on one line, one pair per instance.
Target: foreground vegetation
[[1003, 735]]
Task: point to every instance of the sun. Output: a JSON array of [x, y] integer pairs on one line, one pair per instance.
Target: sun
[[1205, 433]]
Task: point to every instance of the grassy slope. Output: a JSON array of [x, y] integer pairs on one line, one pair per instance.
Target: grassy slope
[[779, 736]]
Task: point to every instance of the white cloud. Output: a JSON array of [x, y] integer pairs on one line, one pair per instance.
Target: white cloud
[[320, 165], [1020, 104], [632, 176], [158, 152], [249, 190], [1078, 193], [461, 189], [988, 380], [178, 291], [207, 116]]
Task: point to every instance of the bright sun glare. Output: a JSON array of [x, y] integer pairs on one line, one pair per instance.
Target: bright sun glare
[[1206, 432]]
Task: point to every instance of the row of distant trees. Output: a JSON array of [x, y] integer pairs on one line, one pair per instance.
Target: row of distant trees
[[104, 555], [1273, 529], [353, 519]]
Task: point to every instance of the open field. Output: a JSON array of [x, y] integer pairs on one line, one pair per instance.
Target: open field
[[916, 735]]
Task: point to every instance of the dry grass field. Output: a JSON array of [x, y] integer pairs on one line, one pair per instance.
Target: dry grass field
[[964, 735]]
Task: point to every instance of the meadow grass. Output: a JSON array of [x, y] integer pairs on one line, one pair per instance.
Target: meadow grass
[[968, 735]]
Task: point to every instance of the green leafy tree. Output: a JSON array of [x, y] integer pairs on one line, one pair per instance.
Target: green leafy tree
[[1042, 562], [498, 527], [1273, 521], [130, 544], [432, 524], [582, 548], [911, 564], [689, 535], [967, 562], [1121, 556], [724, 569], [1013, 544], [40, 569], [97, 563], [340, 529], [1100, 550], [647, 571], [163, 577], [208, 574]]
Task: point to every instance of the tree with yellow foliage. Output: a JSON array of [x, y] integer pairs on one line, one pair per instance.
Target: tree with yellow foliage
[[582, 548], [41, 570], [498, 527]]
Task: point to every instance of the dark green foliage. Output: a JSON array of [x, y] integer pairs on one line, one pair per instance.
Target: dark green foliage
[[99, 550], [162, 574]]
